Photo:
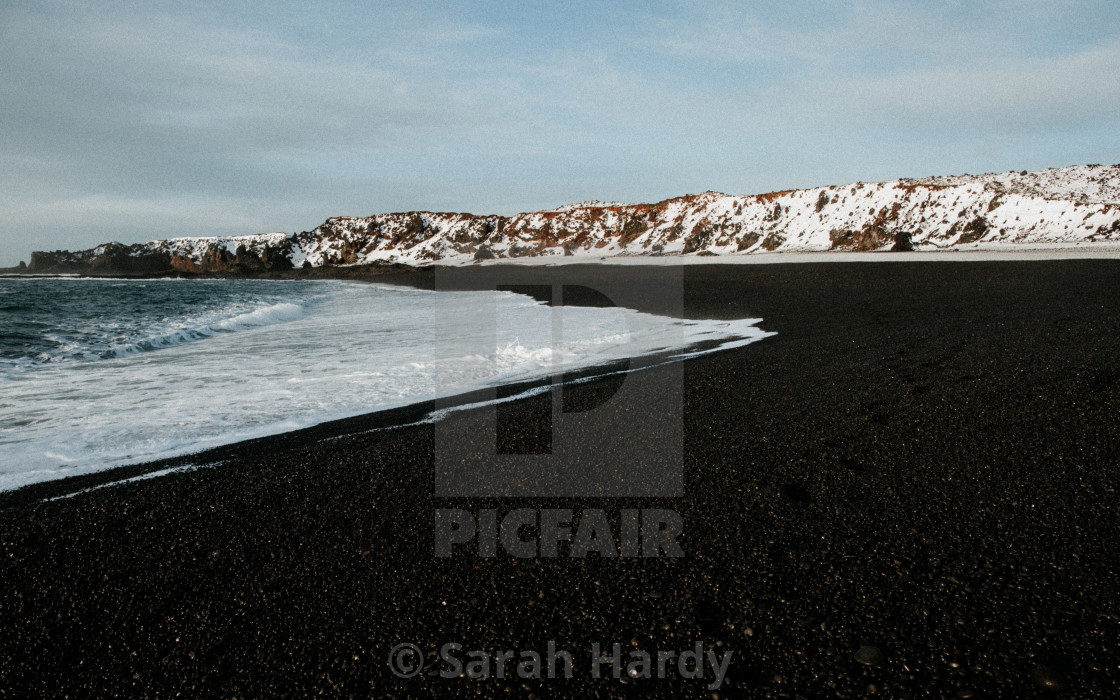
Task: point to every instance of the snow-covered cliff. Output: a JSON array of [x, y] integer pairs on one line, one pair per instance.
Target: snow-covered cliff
[[1057, 206]]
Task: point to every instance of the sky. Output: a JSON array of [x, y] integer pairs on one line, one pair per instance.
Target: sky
[[133, 121]]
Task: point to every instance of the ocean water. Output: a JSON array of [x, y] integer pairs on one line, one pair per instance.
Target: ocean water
[[99, 373]]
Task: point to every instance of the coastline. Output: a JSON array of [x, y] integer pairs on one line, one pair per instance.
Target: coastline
[[976, 252], [365, 410], [921, 459], [410, 415]]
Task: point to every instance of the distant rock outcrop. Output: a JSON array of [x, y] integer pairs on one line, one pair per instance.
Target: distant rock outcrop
[[235, 254], [1064, 206]]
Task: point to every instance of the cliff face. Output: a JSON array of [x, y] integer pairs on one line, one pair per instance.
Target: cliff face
[[111, 257], [1079, 204], [242, 254]]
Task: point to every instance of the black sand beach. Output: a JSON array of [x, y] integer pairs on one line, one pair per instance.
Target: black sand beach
[[923, 460]]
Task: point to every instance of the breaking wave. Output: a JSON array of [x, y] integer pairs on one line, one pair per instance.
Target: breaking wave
[[241, 359]]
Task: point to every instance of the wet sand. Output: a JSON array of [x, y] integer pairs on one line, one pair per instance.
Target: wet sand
[[923, 460]]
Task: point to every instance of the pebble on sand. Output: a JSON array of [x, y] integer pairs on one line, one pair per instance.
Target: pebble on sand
[[1049, 679], [868, 655]]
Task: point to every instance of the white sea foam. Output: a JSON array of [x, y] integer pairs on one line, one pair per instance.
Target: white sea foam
[[265, 316], [277, 313], [286, 365]]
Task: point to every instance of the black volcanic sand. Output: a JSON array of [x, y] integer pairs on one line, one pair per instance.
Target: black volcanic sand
[[923, 461]]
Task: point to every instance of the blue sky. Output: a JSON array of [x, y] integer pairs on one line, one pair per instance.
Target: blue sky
[[134, 121]]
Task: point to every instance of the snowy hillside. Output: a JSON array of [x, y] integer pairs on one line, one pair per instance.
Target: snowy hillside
[[1064, 206]]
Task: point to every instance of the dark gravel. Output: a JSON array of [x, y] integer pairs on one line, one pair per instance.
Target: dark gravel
[[911, 490]]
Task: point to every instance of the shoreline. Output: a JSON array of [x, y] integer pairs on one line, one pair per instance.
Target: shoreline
[[921, 460], [423, 412], [976, 252], [417, 409], [973, 253]]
